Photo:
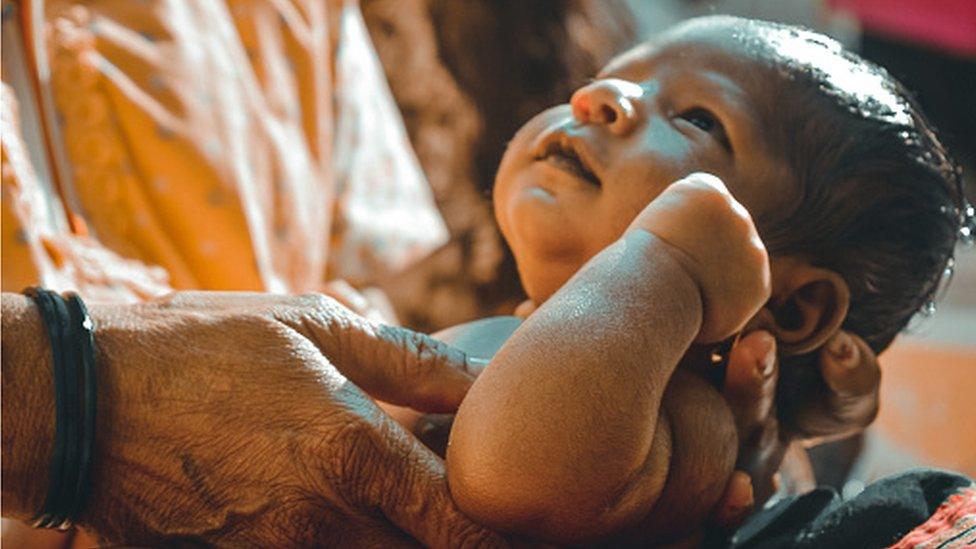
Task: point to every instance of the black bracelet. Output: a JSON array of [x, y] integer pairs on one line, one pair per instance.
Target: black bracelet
[[85, 340], [69, 329]]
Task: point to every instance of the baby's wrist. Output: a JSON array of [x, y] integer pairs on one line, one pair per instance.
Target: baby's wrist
[[689, 265], [657, 250]]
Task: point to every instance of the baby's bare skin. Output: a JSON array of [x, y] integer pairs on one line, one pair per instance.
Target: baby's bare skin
[[581, 429], [553, 441]]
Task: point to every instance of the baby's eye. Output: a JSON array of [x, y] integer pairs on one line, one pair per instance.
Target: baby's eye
[[704, 120]]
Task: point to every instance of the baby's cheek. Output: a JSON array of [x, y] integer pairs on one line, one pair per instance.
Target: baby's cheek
[[607, 223]]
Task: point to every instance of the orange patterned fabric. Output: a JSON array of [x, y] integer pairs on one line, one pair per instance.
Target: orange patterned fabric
[[197, 136], [38, 250]]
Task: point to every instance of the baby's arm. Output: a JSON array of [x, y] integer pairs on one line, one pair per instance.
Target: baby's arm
[[563, 436]]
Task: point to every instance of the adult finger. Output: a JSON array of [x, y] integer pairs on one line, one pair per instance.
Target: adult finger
[[849, 366], [393, 364], [852, 380], [750, 390], [390, 471], [736, 503], [750, 381]]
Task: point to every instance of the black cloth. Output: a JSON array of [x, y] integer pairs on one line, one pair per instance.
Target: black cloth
[[879, 516]]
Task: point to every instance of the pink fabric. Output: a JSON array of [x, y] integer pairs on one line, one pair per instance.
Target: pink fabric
[[946, 24], [952, 525]]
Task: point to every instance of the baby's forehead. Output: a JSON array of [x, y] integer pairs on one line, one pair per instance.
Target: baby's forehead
[[698, 47], [707, 57], [763, 57]]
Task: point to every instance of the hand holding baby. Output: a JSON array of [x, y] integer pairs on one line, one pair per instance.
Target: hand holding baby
[[716, 241]]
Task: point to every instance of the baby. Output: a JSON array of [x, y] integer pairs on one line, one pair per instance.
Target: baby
[[830, 204]]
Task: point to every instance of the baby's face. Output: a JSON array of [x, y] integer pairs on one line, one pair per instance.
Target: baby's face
[[576, 175]]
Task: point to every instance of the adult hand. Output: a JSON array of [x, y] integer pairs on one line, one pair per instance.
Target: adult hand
[[243, 419], [846, 402]]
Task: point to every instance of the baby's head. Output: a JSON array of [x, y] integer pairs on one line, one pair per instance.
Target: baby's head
[[853, 194]]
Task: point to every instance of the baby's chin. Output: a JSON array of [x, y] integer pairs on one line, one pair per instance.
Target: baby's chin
[[540, 282], [542, 272], [548, 248]]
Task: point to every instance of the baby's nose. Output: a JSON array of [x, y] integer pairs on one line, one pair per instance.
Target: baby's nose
[[609, 101]]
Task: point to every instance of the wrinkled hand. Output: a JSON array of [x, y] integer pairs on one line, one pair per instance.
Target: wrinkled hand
[[847, 403], [243, 419]]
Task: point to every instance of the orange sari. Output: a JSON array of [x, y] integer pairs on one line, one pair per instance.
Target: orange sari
[[238, 145]]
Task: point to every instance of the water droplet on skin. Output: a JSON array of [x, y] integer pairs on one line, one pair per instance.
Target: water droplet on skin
[[966, 235], [950, 268], [928, 309]]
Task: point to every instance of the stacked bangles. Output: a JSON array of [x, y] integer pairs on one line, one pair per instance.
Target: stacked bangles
[[69, 329]]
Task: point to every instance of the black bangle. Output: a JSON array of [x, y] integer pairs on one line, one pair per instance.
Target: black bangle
[[85, 341], [69, 329]]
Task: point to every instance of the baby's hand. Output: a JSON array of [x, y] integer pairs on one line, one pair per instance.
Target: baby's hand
[[718, 244]]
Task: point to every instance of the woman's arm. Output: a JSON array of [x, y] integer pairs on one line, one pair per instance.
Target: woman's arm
[[28, 407], [240, 419]]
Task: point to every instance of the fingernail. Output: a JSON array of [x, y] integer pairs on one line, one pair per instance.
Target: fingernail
[[843, 350], [766, 348], [745, 481], [477, 364]]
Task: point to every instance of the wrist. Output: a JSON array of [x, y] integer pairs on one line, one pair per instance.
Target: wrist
[[27, 407], [674, 268], [685, 267]]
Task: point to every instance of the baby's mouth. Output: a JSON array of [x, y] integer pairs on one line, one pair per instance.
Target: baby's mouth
[[561, 154]]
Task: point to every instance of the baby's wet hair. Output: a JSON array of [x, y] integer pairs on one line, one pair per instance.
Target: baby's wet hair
[[881, 201]]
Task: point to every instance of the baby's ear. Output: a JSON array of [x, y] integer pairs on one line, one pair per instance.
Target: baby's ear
[[808, 304]]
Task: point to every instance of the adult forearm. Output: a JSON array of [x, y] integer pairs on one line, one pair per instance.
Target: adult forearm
[[28, 407], [566, 410]]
